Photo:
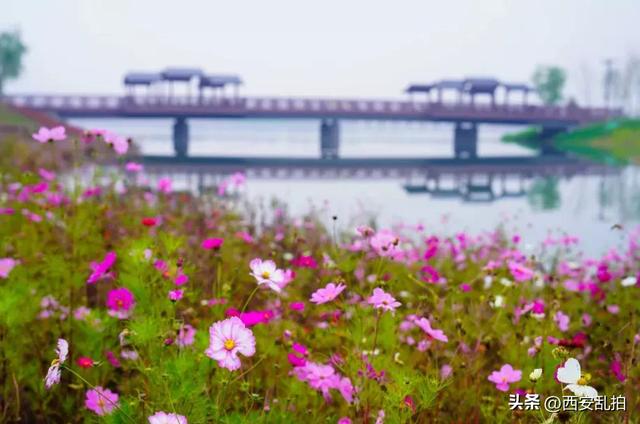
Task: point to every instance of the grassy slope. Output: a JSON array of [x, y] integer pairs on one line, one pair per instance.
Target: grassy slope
[[11, 118], [617, 141]]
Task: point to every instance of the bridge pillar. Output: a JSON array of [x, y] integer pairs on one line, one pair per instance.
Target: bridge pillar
[[329, 139], [181, 137], [465, 140]]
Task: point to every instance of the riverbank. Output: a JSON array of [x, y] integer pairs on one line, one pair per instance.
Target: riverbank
[[611, 142]]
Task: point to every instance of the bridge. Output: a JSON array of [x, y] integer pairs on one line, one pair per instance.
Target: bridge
[[210, 101]]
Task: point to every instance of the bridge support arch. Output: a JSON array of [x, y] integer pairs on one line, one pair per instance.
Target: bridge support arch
[[181, 137], [329, 138], [465, 140]]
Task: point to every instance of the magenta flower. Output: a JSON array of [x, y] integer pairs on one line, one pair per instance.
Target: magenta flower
[[212, 243], [45, 134], [425, 325], [167, 418], [562, 321], [181, 278], [520, 272], [327, 294], [120, 303], [133, 167], [382, 300], [504, 377], [251, 318], [175, 295], [186, 336], [266, 272], [296, 306], [6, 265], [303, 261], [164, 185], [227, 338], [100, 269], [53, 374], [101, 401]]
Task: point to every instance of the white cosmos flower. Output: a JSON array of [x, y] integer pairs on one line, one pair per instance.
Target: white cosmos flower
[[266, 272], [535, 374], [570, 374], [498, 302], [629, 281], [53, 374]]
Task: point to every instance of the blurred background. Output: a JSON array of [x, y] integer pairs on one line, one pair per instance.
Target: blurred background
[[474, 114]]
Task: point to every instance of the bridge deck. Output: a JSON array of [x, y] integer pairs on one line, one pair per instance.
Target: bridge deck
[[274, 107]]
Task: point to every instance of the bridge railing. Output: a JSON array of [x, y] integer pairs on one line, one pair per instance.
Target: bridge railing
[[307, 106]]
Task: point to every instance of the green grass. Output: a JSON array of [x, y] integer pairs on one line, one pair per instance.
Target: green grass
[[9, 117], [613, 141]]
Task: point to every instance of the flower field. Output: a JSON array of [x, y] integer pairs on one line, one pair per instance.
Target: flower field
[[124, 300]]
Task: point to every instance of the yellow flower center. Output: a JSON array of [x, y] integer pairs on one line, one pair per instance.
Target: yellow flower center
[[229, 344], [266, 275]]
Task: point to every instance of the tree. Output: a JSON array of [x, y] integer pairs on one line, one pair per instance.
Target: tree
[[549, 83], [11, 51]]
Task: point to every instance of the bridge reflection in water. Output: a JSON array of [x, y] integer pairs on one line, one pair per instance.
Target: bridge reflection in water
[[477, 179]]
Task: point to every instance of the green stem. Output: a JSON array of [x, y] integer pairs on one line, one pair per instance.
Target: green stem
[[375, 334], [249, 298]]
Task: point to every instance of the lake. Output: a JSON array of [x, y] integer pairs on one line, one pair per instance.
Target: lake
[[586, 206]]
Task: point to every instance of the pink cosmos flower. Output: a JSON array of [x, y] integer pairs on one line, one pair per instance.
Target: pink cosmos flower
[[186, 336], [425, 325], [120, 144], [6, 265], [101, 401], [384, 243], [382, 300], [45, 134], [100, 269], [445, 371], [212, 243], [324, 378], [164, 185], [266, 272], [504, 377], [227, 338], [289, 275], [520, 272], [167, 418], [344, 420], [133, 167], [53, 374], [120, 303], [175, 295], [562, 321], [113, 360], [46, 174], [327, 294]]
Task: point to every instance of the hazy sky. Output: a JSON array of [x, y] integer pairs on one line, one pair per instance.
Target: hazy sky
[[325, 48]]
